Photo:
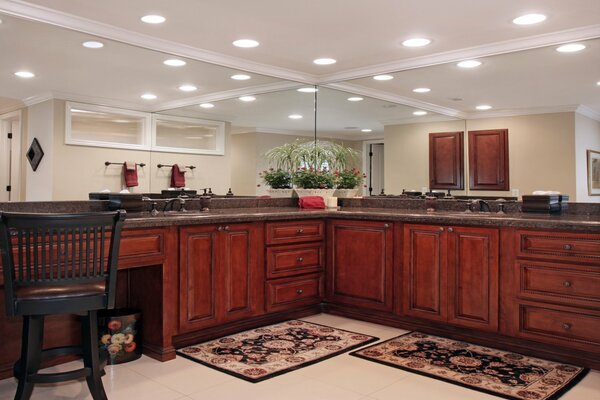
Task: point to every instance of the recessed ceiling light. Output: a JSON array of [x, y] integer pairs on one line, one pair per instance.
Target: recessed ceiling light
[[153, 19], [240, 77], [308, 90], [93, 44], [187, 88], [570, 48], [598, 83], [207, 105], [421, 90], [469, 64], [355, 98], [416, 42], [366, 130], [174, 62], [483, 107], [24, 74], [245, 43], [529, 19], [324, 61], [383, 77], [247, 98], [148, 96], [295, 116], [420, 113]]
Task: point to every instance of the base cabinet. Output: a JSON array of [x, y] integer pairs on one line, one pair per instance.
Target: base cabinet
[[221, 274], [450, 274]]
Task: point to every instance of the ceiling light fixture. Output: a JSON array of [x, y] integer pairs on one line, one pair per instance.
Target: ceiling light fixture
[[240, 77], [366, 130], [187, 88], [93, 44], [483, 107], [421, 90], [153, 19], [245, 43], [356, 98], [148, 96], [207, 105], [416, 42], [174, 62], [295, 116], [598, 83], [529, 19], [420, 113], [383, 77], [24, 74], [247, 98], [570, 48], [308, 90], [469, 64], [324, 61]]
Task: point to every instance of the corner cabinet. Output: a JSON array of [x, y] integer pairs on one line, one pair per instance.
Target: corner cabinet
[[221, 274], [450, 274], [360, 264]]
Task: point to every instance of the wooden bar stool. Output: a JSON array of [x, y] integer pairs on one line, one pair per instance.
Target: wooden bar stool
[[59, 264]]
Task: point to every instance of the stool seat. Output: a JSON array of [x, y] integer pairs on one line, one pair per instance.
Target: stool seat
[[60, 290]]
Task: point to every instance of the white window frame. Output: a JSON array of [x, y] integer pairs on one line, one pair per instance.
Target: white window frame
[[146, 127], [220, 138]]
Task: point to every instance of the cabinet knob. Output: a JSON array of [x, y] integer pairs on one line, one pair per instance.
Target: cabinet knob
[[220, 228], [450, 229], [385, 226], [226, 227], [300, 259], [567, 247], [300, 230], [299, 291], [441, 229], [566, 326], [567, 284]]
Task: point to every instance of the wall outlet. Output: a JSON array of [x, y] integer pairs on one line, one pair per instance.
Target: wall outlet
[[515, 192]]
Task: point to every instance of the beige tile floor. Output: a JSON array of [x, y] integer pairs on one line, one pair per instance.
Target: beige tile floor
[[339, 378]]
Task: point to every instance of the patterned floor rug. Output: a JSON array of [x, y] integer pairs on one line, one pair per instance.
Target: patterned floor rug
[[263, 353], [500, 373]]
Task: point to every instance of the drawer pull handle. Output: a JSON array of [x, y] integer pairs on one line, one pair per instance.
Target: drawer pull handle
[[299, 291], [566, 327], [567, 284], [300, 230], [567, 247], [300, 259]]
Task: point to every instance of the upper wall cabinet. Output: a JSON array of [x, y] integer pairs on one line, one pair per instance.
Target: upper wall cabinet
[[488, 160], [446, 160]]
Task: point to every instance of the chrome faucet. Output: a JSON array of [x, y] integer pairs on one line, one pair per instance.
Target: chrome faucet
[[172, 201], [479, 205]]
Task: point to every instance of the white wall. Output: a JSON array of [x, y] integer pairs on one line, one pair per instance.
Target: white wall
[[40, 125], [587, 137]]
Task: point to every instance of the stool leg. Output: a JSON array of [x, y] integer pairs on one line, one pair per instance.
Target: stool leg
[[31, 354], [91, 358]]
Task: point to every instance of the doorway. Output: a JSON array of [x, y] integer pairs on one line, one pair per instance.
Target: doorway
[[373, 165], [10, 149]]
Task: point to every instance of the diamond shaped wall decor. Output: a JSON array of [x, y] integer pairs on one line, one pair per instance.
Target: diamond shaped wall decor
[[35, 154]]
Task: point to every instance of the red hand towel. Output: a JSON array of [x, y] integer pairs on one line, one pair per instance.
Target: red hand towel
[[311, 202], [130, 175], [177, 177]]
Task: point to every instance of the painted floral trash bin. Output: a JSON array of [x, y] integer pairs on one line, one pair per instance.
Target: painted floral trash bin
[[119, 332]]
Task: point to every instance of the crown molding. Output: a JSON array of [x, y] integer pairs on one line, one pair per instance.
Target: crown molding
[[38, 98], [53, 17], [588, 112], [394, 98], [507, 46], [10, 109], [522, 111], [100, 101]]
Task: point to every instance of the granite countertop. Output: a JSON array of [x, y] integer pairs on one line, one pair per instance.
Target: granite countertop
[[578, 222]]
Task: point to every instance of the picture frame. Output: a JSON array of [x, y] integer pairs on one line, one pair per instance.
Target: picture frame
[[593, 172]]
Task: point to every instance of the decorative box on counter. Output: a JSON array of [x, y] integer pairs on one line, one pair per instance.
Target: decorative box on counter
[[548, 203]]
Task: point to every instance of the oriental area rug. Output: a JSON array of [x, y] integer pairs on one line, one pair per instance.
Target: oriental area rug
[[493, 371], [266, 352]]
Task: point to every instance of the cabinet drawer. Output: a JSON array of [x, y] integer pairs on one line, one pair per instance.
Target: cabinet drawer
[[558, 246], [294, 232], [283, 294], [559, 281], [559, 324], [294, 260]]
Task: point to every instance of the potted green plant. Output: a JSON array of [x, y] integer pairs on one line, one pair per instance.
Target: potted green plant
[[348, 182], [311, 182], [279, 182]]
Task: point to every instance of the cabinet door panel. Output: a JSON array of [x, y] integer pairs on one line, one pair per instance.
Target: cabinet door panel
[[424, 283], [198, 277], [446, 160], [488, 160], [473, 277], [360, 264]]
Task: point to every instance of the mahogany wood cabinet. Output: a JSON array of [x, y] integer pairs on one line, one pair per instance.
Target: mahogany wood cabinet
[[446, 160], [360, 264], [450, 274], [553, 289], [221, 274], [488, 160]]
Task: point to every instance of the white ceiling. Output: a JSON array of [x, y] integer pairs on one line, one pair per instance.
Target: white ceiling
[[519, 75]]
